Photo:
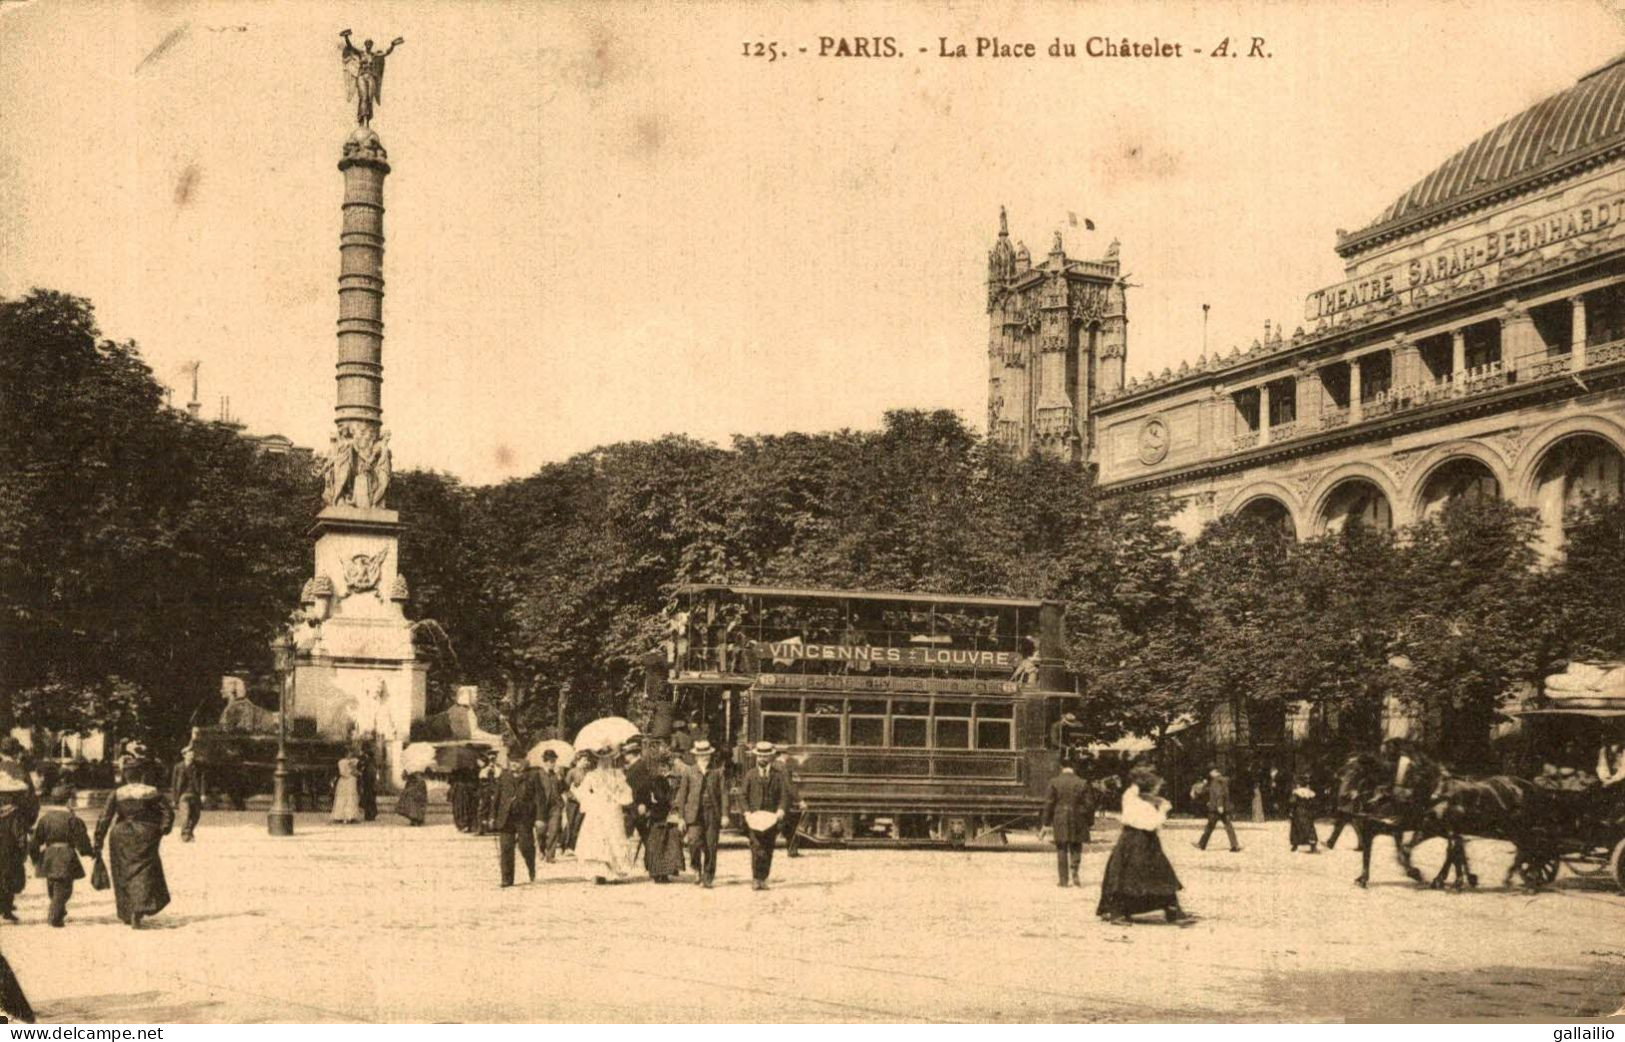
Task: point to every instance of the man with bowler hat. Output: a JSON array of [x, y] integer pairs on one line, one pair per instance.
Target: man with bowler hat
[[767, 799], [514, 817]]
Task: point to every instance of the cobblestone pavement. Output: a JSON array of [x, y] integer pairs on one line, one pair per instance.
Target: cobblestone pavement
[[380, 922]]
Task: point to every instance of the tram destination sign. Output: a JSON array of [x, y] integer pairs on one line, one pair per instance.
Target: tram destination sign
[[914, 657]]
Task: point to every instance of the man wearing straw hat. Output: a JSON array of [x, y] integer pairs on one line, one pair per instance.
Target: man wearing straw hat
[[703, 807], [767, 801]]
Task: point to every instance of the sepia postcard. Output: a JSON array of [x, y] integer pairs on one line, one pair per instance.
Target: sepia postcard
[[795, 513]]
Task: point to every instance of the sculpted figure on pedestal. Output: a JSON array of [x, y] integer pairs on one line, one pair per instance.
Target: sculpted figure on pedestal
[[358, 467], [364, 75]]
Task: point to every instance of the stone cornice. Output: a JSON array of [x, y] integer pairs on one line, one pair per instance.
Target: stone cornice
[[1565, 385], [1291, 352]]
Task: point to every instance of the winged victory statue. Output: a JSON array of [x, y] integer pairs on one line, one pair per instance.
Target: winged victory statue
[[364, 75]]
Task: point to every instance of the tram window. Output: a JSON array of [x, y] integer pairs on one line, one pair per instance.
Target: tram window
[[824, 707], [994, 711], [866, 707], [953, 725], [781, 705], [994, 734], [781, 729], [908, 732], [911, 708], [866, 730], [823, 730]]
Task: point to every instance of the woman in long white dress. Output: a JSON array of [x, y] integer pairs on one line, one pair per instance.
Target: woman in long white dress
[[347, 793], [602, 848]]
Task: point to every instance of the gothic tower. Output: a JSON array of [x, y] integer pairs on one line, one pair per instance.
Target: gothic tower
[[1057, 336]]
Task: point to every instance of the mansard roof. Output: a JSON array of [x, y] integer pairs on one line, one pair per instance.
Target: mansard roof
[[1570, 129]]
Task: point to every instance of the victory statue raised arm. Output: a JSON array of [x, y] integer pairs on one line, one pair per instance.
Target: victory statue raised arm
[[364, 75]]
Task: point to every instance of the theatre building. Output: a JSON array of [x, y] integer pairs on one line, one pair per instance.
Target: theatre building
[[1475, 347]]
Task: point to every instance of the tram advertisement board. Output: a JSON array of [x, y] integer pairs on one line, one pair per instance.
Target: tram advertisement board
[[916, 657]]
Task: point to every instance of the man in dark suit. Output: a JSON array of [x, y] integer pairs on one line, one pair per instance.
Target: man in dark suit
[[703, 810], [764, 789], [366, 780], [1066, 806], [1217, 790], [514, 816], [797, 807], [549, 806], [186, 792], [645, 783]]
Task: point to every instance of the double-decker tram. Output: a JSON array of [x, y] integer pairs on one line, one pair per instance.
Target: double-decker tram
[[913, 718]]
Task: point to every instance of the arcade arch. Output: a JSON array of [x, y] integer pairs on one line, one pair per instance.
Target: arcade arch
[[1355, 499], [1455, 478], [1572, 468], [1271, 511]]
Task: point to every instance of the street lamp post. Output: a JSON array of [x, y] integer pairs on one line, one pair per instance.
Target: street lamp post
[[279, 822]]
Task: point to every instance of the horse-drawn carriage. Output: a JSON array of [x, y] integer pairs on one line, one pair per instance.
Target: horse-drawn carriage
[[1585, 820]]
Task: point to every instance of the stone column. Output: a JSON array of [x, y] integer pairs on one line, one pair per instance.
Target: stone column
[[1263, 414], [1520, 340], [360, 374], [1577, 331], [1309, 399], [1407, 362], [1356, 411], [1458, 353]]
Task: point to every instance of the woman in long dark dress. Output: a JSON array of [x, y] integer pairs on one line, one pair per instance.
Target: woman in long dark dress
[[1303, 817], [135, 822], [1138, 877], [413, 802], [19, 806]]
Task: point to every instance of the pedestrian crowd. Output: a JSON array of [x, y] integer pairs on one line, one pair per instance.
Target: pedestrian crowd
[[658, 805]]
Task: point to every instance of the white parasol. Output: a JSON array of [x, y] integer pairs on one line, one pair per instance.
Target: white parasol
[[611, 729], [417, 757], [562, 749]]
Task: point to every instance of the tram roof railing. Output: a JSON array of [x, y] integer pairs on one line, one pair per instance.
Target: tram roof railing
[[807, 593]]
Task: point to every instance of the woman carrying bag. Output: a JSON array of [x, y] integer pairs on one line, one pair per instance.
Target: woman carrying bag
[[136, 820]]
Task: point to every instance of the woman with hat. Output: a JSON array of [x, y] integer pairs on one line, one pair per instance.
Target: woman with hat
[[413, 802], [347, 792], [135, 822], [1302, 802], [1138, 877], [603, 795], [19, 805]]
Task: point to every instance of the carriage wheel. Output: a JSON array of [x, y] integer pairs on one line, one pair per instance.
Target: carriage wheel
[[1616, 864], [1539, 870]]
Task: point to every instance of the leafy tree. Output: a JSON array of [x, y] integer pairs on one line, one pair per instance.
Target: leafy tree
[[1584, 608]]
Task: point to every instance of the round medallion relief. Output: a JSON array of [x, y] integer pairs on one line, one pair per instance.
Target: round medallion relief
[[1153, 442]]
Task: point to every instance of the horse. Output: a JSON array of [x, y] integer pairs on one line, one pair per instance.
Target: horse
[[1366, 796], [1493, 807]]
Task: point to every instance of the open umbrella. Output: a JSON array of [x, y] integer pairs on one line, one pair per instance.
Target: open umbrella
[[417, 757], [562, 749], [611, 729]]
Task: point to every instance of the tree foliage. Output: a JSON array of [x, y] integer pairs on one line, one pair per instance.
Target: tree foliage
[[142, 553]]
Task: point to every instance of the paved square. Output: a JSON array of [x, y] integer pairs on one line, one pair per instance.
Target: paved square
[[384, 923]]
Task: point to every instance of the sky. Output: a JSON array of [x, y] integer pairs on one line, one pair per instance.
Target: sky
[[606, 223]]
